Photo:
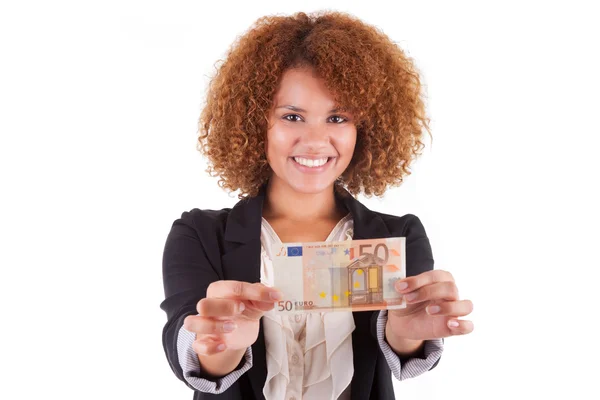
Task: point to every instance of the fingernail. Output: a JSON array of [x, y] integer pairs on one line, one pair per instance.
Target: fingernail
[[401, 285], [411, 296], [453, 324], [221, 347], [229, 326], [433, 309], [275, 295], [241, 307]]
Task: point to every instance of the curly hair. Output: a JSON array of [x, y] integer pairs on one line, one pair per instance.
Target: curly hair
[[364, 70]]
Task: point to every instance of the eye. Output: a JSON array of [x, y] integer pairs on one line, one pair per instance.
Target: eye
[[339, 120], [342, 118], [291, 115]]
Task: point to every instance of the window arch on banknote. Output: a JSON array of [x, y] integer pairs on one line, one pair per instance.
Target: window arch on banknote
[[365, 280]]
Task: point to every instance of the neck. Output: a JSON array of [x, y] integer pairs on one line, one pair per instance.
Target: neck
[[282, 201]]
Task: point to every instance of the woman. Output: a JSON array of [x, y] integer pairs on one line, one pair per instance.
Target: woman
[[305, 112]]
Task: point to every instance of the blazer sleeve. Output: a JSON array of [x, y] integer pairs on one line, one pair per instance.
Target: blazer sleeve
[[187, 273]]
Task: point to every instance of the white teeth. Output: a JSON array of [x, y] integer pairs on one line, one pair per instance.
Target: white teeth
[[310, 163]]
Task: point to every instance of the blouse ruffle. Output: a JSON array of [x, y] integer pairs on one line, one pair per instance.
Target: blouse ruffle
[[328, 342]]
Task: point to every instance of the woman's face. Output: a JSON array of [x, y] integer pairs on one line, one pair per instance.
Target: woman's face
[[309, 143]]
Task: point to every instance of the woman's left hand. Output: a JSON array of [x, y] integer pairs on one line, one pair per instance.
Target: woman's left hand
[[433, 308]]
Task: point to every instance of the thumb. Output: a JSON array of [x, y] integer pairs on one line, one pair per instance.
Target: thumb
[[255, 309]]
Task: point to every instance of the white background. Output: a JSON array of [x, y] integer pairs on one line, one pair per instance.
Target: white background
[[99, 103]]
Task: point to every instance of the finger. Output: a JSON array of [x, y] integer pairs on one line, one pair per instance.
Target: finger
[[436, 291], [455, 308], [256, 309], [460, 326], [262, 305], [203, 325], [211, 307], [242, 290], [426, 278], [208, 347]]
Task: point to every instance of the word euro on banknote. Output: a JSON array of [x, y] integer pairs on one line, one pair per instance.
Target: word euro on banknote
[[354, 275]]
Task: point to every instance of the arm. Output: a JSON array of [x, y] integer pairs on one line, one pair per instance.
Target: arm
[[408, 358], [187, 273], [218, 365], [404, 348], [199, 379], [411, 365]]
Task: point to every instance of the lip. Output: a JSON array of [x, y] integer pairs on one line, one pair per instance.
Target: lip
[[313, 157], [313, 170]]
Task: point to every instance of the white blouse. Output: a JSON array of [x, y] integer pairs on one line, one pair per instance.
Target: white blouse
[[308, 355]]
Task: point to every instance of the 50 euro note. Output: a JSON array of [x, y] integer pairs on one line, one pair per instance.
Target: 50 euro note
[[353, 275]]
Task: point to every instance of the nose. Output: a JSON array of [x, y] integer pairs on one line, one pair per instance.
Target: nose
[[315, 137]]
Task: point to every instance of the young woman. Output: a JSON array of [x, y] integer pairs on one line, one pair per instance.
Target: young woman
[[305, 112]]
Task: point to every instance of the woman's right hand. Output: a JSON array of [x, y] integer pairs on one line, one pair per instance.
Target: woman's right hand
[[229, 316]]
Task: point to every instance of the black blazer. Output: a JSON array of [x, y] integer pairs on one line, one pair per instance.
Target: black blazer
[[207, 245]]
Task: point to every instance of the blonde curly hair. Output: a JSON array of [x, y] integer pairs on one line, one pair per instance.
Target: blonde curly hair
[[365, 71]]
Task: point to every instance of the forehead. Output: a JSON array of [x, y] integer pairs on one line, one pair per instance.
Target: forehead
[[301, 85]]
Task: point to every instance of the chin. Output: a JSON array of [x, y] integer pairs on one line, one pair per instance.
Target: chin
[[308, 187]]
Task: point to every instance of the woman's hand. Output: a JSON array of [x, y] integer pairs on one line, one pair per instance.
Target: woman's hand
[[229, 316], [433, 308]]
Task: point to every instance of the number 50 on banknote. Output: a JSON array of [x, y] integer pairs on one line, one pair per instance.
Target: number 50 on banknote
[[354, 275]]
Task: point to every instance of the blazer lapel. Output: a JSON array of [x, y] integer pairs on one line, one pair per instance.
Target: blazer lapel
[[367, 224], [241, 262]]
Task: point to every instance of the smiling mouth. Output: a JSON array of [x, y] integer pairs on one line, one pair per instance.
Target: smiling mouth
[[311, 162]]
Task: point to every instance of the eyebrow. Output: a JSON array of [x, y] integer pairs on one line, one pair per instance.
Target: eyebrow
[[298, 109]]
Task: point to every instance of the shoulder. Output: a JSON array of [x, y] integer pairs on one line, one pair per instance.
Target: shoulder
[[408, 225], [203, 217], [202, 222], [419, 256]]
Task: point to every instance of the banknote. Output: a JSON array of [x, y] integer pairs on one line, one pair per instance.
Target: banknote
[[353, 275]]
